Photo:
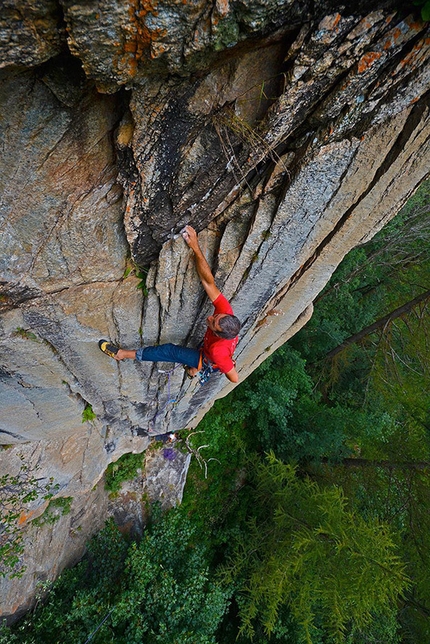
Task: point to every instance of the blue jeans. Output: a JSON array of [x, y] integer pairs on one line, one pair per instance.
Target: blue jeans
[[169, 353]]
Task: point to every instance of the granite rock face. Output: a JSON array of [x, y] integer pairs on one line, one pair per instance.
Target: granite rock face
[[285, 133], [31, 31]]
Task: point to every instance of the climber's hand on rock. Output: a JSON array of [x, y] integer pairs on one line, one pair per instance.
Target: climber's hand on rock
[[190, 237]]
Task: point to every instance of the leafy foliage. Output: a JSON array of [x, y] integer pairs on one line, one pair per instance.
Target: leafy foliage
[[25, 333], [88, 414], [182, 605], [305, 549], [361, 290], [157, 591], [425, 9], [17, 493], [56, 508], [124, 469], [142, 274]]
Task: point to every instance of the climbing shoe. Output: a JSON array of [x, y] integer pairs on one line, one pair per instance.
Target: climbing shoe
[[109, 349]]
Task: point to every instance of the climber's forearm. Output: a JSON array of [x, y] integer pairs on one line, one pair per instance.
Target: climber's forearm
[[203, 269], [205, 274]]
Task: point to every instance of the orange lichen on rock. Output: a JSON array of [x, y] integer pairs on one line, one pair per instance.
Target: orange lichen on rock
[[262, 322], [415, 25], [336, 20], [415, 53], [395, 35], [330, 22], [367, 60], [139, 38], [142, 8], [129, 46], [24, 517]]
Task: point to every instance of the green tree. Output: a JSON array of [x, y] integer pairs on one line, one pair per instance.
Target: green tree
[[382, 323], [159, 590], [170, 597], [305, 549]]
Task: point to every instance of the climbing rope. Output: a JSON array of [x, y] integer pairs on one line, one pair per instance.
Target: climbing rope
[[99, 626]]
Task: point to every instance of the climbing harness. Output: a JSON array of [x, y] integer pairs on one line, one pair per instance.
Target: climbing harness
[[206, 370]]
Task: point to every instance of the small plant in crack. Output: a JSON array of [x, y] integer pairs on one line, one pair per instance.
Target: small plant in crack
[[56, 508], [142, 274], [88, 414], [129, 267], [17, 493], [25, 333]]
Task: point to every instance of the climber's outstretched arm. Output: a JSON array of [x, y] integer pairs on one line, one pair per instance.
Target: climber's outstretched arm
[[205, 273]]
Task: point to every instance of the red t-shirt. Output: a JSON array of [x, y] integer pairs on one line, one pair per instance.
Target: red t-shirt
[[219, 350]]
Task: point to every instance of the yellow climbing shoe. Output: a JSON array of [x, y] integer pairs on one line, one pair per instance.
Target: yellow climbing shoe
[[109, 349]]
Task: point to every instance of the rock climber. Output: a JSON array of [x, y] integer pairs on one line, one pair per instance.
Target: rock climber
[[220, 340]]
